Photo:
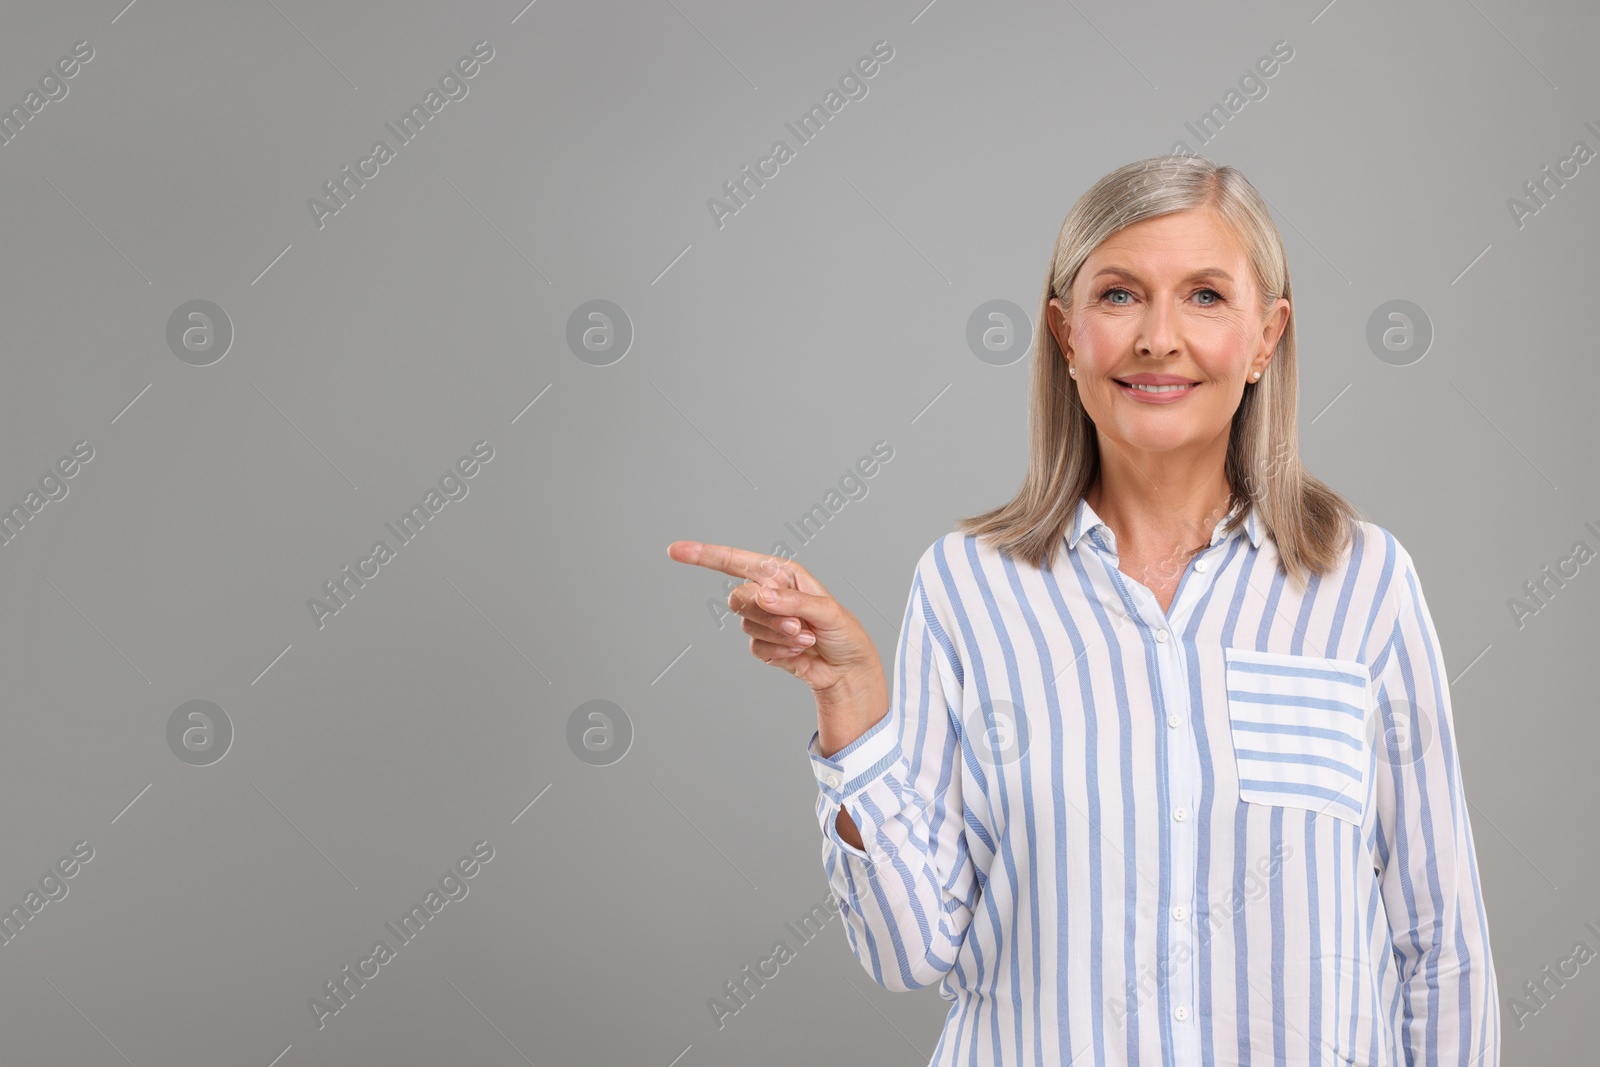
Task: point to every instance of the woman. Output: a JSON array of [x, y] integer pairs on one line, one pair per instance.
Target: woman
[[1169, 774]]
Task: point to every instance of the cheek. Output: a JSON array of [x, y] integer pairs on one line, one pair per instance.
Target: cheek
[[1231, 340], [1223, 351], [1100, 340]]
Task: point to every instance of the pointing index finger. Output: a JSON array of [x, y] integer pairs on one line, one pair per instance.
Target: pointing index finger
[[738, 562]]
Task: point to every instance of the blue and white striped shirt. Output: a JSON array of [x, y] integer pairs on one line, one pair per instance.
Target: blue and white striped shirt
[[1230, 833]]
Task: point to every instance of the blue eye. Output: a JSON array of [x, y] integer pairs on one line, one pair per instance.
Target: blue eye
[[1119, 289]]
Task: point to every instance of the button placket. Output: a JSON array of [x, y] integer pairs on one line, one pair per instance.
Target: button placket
[[1183, 763], [1182, 774]]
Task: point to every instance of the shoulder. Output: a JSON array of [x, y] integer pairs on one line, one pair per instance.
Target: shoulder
[[947, 572], [955, 556], [1386, 575], [936, 566], [1383, 558]]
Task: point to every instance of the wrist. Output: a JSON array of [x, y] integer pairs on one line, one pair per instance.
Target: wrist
[[860, 696], [846, 711]]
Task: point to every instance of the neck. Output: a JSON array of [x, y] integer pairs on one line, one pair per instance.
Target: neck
[[1171, 510]]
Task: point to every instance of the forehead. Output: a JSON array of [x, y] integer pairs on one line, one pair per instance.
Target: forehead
[[1178, 243]]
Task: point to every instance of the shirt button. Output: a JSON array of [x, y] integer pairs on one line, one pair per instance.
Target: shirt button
[[1174, 722], [1161, 635], [1180, 1013], [1180, 913], [1201, 565], [1180, 813], [831, 780]]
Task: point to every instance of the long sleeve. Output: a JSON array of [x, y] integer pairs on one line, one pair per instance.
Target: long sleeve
[[1448, 1011], [907, 899]]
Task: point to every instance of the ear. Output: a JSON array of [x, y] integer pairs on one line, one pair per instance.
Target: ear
[[1056, 319], [1273, 324]]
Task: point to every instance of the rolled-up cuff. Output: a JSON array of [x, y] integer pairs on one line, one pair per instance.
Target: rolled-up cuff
[[857, 778]]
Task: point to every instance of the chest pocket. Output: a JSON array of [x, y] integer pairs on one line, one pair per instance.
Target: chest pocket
[[1299, 727]]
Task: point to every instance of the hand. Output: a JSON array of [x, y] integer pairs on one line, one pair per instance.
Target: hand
[[809, 634], [803, 629]]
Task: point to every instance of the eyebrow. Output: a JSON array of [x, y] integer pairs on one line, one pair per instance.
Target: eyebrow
[[1204, 272]]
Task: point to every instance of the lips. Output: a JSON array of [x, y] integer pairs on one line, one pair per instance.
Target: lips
[[1159, 392], [1154, 379]]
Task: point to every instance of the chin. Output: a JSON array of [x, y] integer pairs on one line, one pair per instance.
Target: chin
[[1166, 439]]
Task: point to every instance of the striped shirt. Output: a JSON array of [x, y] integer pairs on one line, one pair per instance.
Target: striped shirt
[[1232, 832]]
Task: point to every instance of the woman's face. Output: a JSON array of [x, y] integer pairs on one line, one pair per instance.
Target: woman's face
[[1167, 300]]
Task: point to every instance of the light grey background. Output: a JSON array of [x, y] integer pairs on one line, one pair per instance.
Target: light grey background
[[769, 355]]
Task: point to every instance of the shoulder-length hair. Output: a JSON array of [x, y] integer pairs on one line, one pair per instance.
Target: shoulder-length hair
[[1310, 523]]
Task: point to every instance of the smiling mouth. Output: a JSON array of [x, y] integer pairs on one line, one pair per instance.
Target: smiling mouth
[[1157, 390]]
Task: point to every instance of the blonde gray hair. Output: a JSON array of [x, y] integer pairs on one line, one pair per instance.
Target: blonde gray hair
[[1310, 523]]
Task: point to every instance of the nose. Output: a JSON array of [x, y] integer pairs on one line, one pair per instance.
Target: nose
[[1158, 330]]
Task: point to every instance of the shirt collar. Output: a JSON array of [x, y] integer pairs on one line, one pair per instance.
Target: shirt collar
[[1084, 520]]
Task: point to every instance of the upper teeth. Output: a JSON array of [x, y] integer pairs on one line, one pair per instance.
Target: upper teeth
[[1157, 388]]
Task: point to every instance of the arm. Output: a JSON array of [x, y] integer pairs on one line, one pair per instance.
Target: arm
[[1448, 1011], [907, 898]]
